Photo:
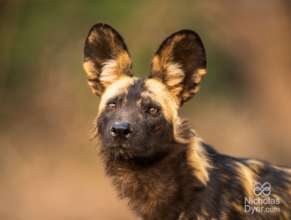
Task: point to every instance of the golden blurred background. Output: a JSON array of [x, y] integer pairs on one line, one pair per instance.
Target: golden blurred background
[[49, 168]]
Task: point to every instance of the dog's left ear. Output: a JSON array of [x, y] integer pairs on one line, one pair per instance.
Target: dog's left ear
[[180, 63]]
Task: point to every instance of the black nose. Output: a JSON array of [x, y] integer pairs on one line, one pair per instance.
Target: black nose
[[120, 129]]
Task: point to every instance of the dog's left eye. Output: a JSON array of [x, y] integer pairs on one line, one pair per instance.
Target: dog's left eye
[[111, 105], [154, 111]]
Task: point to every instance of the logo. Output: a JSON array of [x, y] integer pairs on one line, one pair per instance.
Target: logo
[[262, 201], [263, 189]]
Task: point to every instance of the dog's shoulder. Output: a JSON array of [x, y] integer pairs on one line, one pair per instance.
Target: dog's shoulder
[[245, 187]]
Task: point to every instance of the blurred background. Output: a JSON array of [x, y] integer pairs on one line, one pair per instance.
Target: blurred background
[[48, 167]]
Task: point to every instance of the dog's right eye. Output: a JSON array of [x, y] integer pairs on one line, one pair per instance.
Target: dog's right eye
[[111, 105], [153, 111]]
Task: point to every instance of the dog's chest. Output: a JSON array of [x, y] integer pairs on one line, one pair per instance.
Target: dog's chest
[[148, 191]]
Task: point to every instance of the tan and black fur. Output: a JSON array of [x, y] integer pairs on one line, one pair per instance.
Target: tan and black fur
[[154, 158]]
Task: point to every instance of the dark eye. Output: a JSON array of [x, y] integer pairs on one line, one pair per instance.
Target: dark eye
[[154, 111], [111, 105]]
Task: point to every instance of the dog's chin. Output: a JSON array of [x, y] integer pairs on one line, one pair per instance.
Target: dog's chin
[[141, 156], [123, 151]]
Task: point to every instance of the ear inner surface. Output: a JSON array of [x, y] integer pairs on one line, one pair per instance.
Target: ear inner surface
[[106, 57], [180, 63]]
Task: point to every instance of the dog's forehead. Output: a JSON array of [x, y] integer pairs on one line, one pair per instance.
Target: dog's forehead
[[118, 88], [130, 87], [148, 88], [135, 90], [157, 91]]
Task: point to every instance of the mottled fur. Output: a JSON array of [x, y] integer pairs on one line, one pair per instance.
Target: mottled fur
[[160, 166]]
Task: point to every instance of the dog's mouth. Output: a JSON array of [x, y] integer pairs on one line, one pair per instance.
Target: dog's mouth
[[141, 155], [142, 159], [123, 151], [123, 146]]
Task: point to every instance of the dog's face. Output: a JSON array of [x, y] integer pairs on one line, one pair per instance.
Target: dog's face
[[139, 117]]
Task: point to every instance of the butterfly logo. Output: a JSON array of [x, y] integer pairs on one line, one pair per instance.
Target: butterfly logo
[[263, 189]]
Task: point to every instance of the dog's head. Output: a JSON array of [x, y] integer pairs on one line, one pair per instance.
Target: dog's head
[[139, 117]]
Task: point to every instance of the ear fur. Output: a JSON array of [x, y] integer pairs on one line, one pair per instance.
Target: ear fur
[[180, 63], [106, 57]]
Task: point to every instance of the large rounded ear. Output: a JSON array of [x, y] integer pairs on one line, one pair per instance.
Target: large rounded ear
[[180, 63], [106, 57]]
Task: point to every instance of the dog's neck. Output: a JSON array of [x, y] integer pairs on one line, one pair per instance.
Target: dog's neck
[[153, 184]]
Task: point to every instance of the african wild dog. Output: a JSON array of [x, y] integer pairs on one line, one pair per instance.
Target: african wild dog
[[153, 157]]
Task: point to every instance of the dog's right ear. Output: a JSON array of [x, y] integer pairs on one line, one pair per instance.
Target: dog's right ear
[[106, 58]]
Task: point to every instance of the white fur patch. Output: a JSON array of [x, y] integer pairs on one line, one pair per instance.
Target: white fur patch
[[175, 74], [247, 178], [198, 160], [109, 73], [117, 88], [158, 92]]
